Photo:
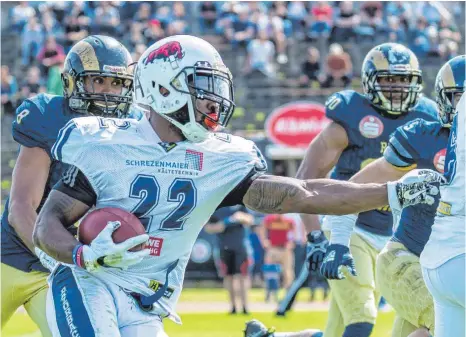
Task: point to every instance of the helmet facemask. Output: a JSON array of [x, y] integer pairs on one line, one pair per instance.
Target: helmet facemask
[[396, 99], [210, 104], [83, 97], [446, 101]]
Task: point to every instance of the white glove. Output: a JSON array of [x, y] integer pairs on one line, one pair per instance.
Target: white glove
[[418, 186], [103, 252], [46, 260]]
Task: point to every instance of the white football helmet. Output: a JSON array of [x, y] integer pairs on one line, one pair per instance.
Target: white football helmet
[[174, 73]]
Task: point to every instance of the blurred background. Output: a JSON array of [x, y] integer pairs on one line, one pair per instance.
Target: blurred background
[[286, 58]]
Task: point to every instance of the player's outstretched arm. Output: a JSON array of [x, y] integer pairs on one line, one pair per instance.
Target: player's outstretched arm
[[59, 212], [273, 194]]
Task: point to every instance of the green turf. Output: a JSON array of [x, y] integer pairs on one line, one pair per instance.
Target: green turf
[[219, 325]]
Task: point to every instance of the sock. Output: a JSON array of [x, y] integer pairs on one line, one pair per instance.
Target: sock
[[358, 330]]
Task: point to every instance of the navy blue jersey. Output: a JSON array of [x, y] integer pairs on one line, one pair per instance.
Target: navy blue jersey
[[234, 235], [422, 144], [37, 123], [368, 133]]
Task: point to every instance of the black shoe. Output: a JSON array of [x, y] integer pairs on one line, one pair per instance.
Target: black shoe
[[245, 311], [233, 311], [280, 313]]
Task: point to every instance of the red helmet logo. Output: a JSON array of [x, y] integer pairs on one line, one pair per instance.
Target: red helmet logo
[[170, 51]]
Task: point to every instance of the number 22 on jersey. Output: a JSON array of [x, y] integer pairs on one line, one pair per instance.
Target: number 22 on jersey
[[181, 191]]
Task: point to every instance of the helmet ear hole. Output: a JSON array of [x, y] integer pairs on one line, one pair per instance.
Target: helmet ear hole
[[164, 91]]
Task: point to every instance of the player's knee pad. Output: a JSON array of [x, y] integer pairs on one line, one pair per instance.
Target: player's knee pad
[[358, 330]]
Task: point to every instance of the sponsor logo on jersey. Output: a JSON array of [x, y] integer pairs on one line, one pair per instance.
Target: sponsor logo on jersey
[[439, 160], [194, 159], [154, 245], [444, 208], [155, 285], [167, 146], [371, 127]]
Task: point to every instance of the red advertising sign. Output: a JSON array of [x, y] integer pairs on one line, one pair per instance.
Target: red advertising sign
[[296, 124]]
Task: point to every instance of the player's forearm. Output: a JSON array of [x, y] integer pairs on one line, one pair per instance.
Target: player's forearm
[[22, 218], [272, 194], [51, 236]]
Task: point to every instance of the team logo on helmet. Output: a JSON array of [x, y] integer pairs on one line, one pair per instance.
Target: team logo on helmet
[[171, 52]]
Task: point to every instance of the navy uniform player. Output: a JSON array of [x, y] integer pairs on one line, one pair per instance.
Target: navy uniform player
[[359, 134], [417, 144], [96, 81], [109, 291]]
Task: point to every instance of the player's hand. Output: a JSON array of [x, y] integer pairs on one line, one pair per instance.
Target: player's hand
[[47, 261], [418, 186], [336, 259], [103, 252], [315, 249]]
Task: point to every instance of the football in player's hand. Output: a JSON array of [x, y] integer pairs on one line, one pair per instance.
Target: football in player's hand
[[95, 221]]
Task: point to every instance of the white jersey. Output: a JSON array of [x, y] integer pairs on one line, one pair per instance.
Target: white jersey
[[172, 188], [448, 232]]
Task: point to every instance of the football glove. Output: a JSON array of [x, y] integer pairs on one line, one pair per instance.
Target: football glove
[[418, 186], [47, 261], [255, 328], [103, 252], [336, 259], [315, 249]]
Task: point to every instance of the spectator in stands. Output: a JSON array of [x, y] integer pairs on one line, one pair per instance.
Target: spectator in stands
[[450, 37], [138, 51], [420, 42], [178, 24], [33, 85], [135, 35], [260, 55], [297, 14], [106, 19], [338, 67], [311, 67], [371, 19], [273, 25], [227, 14], [401, 10], [54, 83], [345, 22], [395, 32], [230, 223], [50, 55], [321, 20], [241, 29], [143, 15], [31, 40], [52, 27], [208, 13], [77, 25], [154, 32], [21, 14], [164, 15], [9, 89], [430, 11], [277, 240]]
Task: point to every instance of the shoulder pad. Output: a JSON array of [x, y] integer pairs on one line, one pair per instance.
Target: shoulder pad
[[38, 120], [342, 106], [427, 109]]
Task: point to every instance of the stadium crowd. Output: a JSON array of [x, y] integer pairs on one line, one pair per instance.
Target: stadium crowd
[[263, 30]]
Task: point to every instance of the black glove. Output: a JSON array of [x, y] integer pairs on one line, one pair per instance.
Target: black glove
[[337, 257], [315, 249]]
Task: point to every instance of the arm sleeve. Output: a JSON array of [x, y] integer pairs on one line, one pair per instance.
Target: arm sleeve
[[75, 184], [235, 197]]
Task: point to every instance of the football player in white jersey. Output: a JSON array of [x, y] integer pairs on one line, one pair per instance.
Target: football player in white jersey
[[172, 171], [443, 258]]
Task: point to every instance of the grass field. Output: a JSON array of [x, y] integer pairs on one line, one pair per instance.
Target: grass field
[[219, 324]]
